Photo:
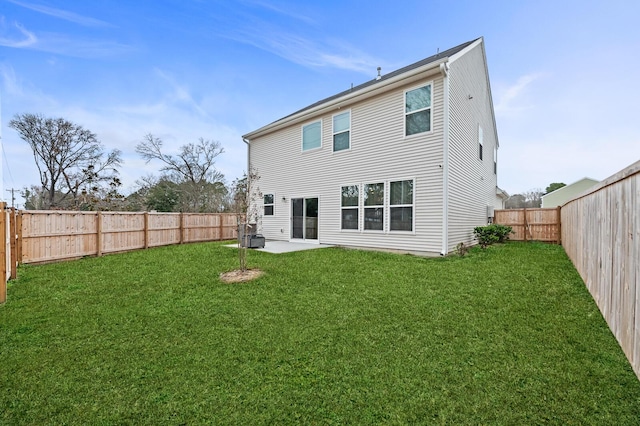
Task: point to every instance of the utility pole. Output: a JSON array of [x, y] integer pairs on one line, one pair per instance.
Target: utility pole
[[13, 197]]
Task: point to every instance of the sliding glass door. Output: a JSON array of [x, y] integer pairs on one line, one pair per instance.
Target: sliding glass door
[[304, 218]]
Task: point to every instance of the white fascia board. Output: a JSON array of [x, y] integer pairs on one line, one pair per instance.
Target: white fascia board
[[349, 98], [470, 47]]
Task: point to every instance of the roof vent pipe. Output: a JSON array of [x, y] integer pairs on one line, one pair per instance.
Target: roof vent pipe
[[379, 76]]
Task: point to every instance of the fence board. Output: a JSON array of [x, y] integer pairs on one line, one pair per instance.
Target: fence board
[[531, 224], [601, 235], [3, 253], [47, 236]]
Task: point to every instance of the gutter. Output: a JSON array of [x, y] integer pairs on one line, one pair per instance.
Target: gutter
[[248, 154], [444, 70], [337, 103]]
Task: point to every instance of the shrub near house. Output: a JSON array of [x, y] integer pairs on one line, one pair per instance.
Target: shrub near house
[[490, 234]]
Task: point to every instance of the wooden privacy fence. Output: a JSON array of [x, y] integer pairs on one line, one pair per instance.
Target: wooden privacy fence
[[601, 235], [46, 236], [531, 224]]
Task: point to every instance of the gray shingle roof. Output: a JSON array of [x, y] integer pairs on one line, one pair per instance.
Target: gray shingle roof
[[426, 61]]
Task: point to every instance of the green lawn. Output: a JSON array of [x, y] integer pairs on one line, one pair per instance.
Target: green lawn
[[507, 336]]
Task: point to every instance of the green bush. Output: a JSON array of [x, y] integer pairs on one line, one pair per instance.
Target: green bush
[[491, 234]]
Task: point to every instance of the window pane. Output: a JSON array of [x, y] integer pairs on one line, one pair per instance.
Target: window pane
[[401, 192], [268, 198], [374, 194], [373, 219], [341, 122], [401, 218], [418, 122], [268, 210], [350, 196], [341, 141], [311, 136], [418, 99], [349, 218]]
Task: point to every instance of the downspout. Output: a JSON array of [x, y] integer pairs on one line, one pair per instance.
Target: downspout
[[444, 70], [248, 155]]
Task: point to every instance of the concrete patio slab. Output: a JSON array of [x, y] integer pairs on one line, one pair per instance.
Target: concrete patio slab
[[286, 246]]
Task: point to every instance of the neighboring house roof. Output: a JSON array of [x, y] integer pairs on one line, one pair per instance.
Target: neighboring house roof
[[566, 193], [383, 80]]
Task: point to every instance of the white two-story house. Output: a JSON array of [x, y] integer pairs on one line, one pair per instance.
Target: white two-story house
[[406, 161]]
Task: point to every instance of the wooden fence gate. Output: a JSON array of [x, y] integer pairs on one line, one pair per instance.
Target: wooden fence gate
[[532, 224]]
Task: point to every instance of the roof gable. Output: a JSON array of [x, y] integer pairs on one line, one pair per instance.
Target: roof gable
[[382, 81]]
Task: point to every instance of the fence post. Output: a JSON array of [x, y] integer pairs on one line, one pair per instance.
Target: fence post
[[221, 217], [181, 227], [99, 234], [559, 220], [19, 238], [12, 239], [146, 230], [526, 226], [3, 256]]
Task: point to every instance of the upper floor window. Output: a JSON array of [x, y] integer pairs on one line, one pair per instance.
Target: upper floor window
[[374, 206], [401, 205], [417, 111], [495, 160], [268, 205], [349, 206], [312, 135], [480, 142], [341, 131]]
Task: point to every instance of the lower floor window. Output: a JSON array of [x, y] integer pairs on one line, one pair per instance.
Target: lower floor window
[[350, 218], [268, 205], [374, 218], [401, 205], [384, 206], [349, 204], [401, 218]]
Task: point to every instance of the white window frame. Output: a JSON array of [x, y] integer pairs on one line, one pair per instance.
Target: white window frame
[[302, 136], [480, 143], [405, 113], [273, 205], [377, 206], [334, 133], [357, 207], [412, 205], [495, 160]]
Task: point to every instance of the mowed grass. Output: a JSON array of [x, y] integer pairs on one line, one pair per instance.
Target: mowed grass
[[507, 336]]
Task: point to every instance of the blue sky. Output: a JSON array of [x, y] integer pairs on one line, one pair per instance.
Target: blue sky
[[564, 74]]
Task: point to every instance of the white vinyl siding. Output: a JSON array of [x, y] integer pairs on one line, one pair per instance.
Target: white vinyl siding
[[472, 183], [379, 152], [312, 136]]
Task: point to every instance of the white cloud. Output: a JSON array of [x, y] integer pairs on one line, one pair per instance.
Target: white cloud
[[510, 98], [302, 50], [62, 14], [179, 92], [285, 11], [15, 35]]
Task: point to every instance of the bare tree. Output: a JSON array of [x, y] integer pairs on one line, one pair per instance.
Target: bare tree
[[534, 197], [246, 196], [68, 157], [201, 186]]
